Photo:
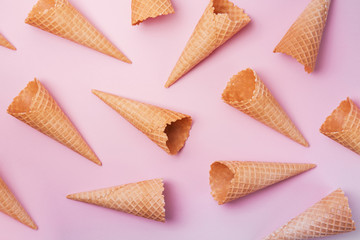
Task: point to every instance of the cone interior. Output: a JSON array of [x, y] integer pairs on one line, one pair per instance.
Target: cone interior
[[228, 8], [177, 133], [220, 181], [22, 103], [241, 87], [337, 119]]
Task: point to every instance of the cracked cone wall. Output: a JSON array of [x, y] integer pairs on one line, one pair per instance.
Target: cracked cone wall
[[144, 9], [59, 17], [35, 107]]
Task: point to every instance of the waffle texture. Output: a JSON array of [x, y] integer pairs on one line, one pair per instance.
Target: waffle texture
[[10, 206], [168, 129], [247, 93], [144, 9], [144, 199], [59, 17], [36, 107], [343, 125], [230, 180], [220, 21], [5, 43], [302, 40], [330, 216]]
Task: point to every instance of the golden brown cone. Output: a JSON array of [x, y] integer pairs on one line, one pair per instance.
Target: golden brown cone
[[12, 207], [168, 129], [302, 40], [144, 199], [4, 42], [59, 17], [230, 180], [247, 93], [343, 125], [144, 9], [330, 216], [36, 107], [220, 21]]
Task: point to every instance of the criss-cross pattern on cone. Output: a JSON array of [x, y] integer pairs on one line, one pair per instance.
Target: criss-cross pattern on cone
[[220, 21], [5, 43], [59, 17], [144, 199], [230, 180], [168, 129], [12, 207], [302, 40], [36, 107], [330, 216], [144, 9], [343, 125], [247, 93]]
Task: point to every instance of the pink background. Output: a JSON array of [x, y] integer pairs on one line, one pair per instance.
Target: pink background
[[42, 172]]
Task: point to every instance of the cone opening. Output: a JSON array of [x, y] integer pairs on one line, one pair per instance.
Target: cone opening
[[336, 121], [226, 7], [241, 86], [177, 133], [22, 103], [42, 6], [220, 181]]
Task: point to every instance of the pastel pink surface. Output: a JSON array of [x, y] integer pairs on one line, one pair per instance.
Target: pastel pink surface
[[41, 172]]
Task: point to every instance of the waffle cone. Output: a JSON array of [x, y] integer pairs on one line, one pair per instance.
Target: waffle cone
[[343, 125], [5, 43], [220, 21], [330, 216], [59, 17], [168, 129], [230, 180], [144, 199], [12, 207], [35, 107], [302, 40], [247, 93], [144, 9]]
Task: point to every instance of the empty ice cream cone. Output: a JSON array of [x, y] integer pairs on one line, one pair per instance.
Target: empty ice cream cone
[[247, 93], [4, 42], [144, 9], [220, 21], [35, 107], [59, 17], [168, 129], [12, 207], [330, 216], [144, 199], [302, 40], [230, 180], [343, 125]]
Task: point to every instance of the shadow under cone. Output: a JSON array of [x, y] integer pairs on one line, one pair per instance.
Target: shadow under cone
[[230, 180], [220, 21], [36, 107], [168, 129], [144, 199], [330, 216], [59, 17], [144, 9], [12, 207], [247, 93], [302, 40]]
